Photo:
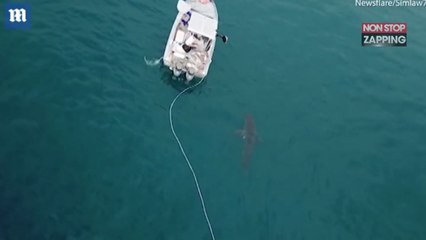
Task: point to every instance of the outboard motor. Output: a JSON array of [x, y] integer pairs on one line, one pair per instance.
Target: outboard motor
[[191, 69], [178, 68], [189, 76], [177, 72]]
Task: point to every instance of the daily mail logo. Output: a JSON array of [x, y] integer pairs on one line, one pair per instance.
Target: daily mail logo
[[384, 34], [17, 15]]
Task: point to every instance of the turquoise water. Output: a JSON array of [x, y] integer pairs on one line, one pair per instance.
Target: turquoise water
[[86, 151]]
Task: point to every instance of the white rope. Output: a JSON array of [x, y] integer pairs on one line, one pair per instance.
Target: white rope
[[187, 160]]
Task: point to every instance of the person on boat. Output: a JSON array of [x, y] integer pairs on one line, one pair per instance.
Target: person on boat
[[187, 48], [188, 45], [186, 17], [194, 42]]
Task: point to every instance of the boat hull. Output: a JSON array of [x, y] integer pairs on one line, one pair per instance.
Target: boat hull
[[180, 62]]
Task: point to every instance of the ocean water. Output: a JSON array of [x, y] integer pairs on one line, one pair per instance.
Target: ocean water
[[86, 151]]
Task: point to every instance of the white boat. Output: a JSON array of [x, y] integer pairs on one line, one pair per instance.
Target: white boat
[[192, 40]]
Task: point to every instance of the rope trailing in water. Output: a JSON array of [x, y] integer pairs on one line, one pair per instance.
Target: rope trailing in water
[[186, 158]]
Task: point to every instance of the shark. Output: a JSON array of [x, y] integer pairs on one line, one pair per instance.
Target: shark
[[249, 135]]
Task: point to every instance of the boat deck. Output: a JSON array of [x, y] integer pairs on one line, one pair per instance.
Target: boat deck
[[207, 9]]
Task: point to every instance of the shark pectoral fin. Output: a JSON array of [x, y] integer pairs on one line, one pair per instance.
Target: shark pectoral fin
[[240, 132]]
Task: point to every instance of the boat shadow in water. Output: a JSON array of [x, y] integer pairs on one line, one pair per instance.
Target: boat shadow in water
[[179, 83]]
